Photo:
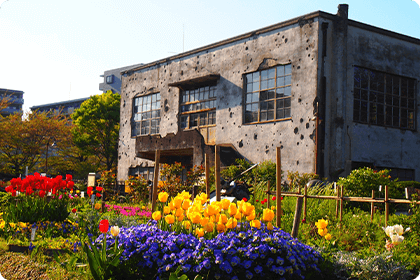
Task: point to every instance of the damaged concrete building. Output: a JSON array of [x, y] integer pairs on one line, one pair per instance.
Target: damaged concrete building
[[335, 94]]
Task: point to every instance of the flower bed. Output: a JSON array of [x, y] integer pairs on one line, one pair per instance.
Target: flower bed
[[248, 254], [129, 210]]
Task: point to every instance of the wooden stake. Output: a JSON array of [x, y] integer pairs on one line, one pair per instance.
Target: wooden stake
[[217, 172], [278, 187], [155, 180], [268, 194], [305, 197], [372, 206], [337, 201], [296, 220], [341, 203], [207, 165], [386, 206]]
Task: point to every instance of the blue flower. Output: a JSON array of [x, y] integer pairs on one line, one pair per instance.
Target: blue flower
[[247, 264], [248, 274]]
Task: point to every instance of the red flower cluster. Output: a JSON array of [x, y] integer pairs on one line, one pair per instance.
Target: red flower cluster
[[40, 185], [90, 191]]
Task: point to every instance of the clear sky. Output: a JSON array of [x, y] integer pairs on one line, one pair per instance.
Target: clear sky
[[55, 50]]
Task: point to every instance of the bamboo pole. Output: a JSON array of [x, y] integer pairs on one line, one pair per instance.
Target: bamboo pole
[[217, 172], [386, 205], [207, 166], [305, 197], [341, 203], [155, 179], [278, 187], [337, 201], [372, 206]]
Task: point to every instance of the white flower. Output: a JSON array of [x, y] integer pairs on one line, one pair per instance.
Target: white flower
[[115, 230], [396, 239], [398, 229]]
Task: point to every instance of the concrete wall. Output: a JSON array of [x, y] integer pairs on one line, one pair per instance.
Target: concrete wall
[[296, 44], [388, 147]]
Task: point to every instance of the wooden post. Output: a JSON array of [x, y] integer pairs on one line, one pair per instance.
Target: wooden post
[[155, 180], [386, 206], [337, 202], [304, 201], [278, 187], [372, 206], [217, 172], [341, 203], [296, 220], [268, 194], [207, 165]]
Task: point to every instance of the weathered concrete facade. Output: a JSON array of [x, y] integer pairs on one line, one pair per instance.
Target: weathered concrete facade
[[320, 134]]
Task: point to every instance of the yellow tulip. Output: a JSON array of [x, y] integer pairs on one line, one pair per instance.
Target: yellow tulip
[[322, 231], [199, 232], [328, 236], [232, 209], [268, 215], [98, 206], [270, 226], [156, 215], [204, 221], [177, 202], [170, 219], [179, 212], [238, 216], [209, 227], [195, 217], [225, 203], [255, 224], [186, 204], [220, 227], [223, 219], [231, 223], [186, 224], [172, 205], [163, 197], [180, 218], [247, 208], [166, 210], [251, 216], [185, 195], [321, 223]]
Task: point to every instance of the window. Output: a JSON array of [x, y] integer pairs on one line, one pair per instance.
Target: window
[[383, 99], [145, 172], [198, 107], [146, 115], [109, 79], [268, 94]]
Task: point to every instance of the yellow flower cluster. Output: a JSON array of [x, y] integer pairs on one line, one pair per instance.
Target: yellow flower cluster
[[322, 229], [200, 217]]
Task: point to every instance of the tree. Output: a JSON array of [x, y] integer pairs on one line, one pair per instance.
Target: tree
[[96, 127], [27, 141]]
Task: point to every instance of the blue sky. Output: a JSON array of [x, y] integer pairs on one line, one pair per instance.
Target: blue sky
[[55, 50]]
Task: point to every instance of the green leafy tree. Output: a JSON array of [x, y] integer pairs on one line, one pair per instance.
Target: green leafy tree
[[27, 141], [96, 127]]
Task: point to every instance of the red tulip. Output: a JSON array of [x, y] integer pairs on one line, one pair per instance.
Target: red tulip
[[273, 198], [74, 210], [98, 194], [89, 190], [99, 189], [244, 199], [103, 226]]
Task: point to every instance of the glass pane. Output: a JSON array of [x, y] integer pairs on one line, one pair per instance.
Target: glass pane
[[248, 98], [380, 97], [270, 83], [404, 102], [263, 95], [280, 104], [203, 119], [280, 114], [264, 75], [287, 91], [395, 85], [206, 95], [270, 94], [364, 95], [148, 99], [248, 78], [254, 107], [184, 120], [287, 113], [288, 69], [280, 71], [263, 106], [270, 115], [256, 86], [280, 92], [270, 105], [158, 96], [255, 97], [256, 76], [280, 81], [153, 97], [288, 80], [264, 85], [263, 116], [271, 73]]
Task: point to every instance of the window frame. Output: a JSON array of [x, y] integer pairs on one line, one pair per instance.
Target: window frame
[[141, 118], [267, 99], [109, 79], [381, 102], [188, 108]]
